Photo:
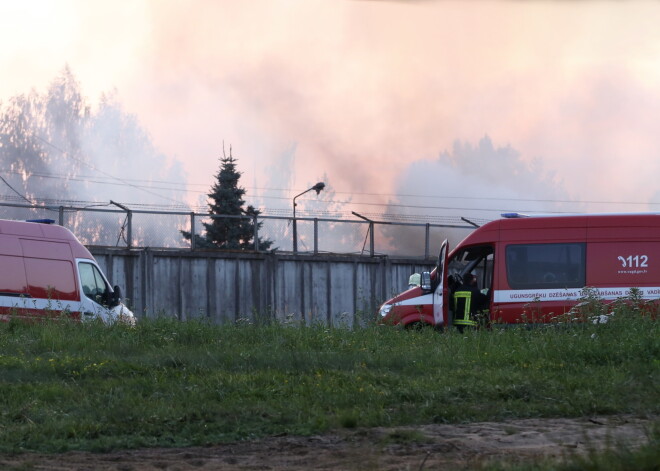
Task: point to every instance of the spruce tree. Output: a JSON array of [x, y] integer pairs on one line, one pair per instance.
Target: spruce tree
[[226, 199]]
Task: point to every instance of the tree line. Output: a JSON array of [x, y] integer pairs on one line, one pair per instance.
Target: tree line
[[57, 148]]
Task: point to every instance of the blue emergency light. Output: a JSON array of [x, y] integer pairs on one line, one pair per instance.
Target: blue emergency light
[[41, 221]]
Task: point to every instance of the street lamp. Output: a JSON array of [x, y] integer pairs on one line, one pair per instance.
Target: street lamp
[[318, 187]]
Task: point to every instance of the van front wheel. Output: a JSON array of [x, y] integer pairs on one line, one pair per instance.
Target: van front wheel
[[417, 325]]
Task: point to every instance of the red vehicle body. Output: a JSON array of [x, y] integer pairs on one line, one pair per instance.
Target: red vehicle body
[[534, 269], [46, 271]]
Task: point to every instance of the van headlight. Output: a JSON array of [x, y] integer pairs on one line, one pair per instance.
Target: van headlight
[[384, 310]]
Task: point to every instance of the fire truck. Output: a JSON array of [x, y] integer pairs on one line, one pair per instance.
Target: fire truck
[[537, 268]]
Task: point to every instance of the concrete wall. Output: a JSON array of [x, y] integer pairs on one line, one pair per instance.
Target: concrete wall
[[225, 286]]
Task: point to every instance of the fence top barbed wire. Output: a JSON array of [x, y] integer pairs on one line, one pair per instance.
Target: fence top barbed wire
[[381, 217], [99, 224]]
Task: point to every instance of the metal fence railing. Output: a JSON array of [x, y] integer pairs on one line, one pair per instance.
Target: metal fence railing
[[164, 229]]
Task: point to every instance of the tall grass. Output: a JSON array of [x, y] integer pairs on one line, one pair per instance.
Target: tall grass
[[67, 386]]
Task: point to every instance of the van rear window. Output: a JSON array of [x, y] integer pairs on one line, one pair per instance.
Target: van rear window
[[539, 266]]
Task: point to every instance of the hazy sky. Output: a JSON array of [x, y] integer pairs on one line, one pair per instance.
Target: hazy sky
[[367, 91]]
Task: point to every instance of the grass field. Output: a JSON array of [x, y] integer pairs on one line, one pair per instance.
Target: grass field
[[67, 386]]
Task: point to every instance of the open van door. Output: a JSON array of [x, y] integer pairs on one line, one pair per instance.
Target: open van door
[[440, 313]]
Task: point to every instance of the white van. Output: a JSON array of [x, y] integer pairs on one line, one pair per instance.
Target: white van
[[46, 272]]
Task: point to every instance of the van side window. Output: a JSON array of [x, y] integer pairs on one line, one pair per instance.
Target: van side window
[[539, 266], [93, 284]]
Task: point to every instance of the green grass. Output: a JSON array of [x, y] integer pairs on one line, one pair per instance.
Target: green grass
[[66, 386]]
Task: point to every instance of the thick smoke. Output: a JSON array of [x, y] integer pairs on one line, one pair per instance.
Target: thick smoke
[[365, 88], [60, 151], [476, 182], [370, 92]]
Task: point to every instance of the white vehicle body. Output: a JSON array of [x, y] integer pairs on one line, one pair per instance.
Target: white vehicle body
[[46, 272]]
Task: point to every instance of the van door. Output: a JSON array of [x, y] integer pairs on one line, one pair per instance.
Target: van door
[[477, 260], [441, 291], [96, 293]]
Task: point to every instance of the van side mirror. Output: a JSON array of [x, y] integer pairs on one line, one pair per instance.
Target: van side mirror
[[116, 296], [426, 281]]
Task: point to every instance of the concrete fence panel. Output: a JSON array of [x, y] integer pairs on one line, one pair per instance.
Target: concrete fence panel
[[226, 287]]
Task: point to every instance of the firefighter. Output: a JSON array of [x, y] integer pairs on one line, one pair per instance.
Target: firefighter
[[468, 302]]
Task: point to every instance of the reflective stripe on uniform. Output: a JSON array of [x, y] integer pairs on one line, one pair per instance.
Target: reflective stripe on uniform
[[465, 320]]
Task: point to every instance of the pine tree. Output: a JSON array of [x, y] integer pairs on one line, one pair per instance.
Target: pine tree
[[226, 199]]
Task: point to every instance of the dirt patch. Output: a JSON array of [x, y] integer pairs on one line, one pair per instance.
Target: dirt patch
[[400, 448]]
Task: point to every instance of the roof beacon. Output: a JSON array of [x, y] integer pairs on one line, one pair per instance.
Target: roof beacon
[[41, 221], [514, 215]]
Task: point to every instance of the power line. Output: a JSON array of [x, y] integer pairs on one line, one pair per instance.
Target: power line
[[14, 190], [184, 188], [102, 182], [86, 177], [364, 203], [122, 182], [102, 172]]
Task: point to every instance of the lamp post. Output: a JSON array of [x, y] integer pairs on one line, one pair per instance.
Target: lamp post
[[318, 187]]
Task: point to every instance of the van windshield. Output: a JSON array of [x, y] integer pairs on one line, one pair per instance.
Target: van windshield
[[93, 284]]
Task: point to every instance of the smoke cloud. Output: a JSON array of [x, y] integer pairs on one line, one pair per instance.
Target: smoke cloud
[[365, 89], [371, 93], [56, 151]]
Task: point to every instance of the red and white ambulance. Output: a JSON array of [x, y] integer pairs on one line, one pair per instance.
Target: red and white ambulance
[[536, 268], [46, 272]]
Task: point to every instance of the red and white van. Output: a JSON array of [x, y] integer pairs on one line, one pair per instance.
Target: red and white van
[[535, 268], [45, 271]]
